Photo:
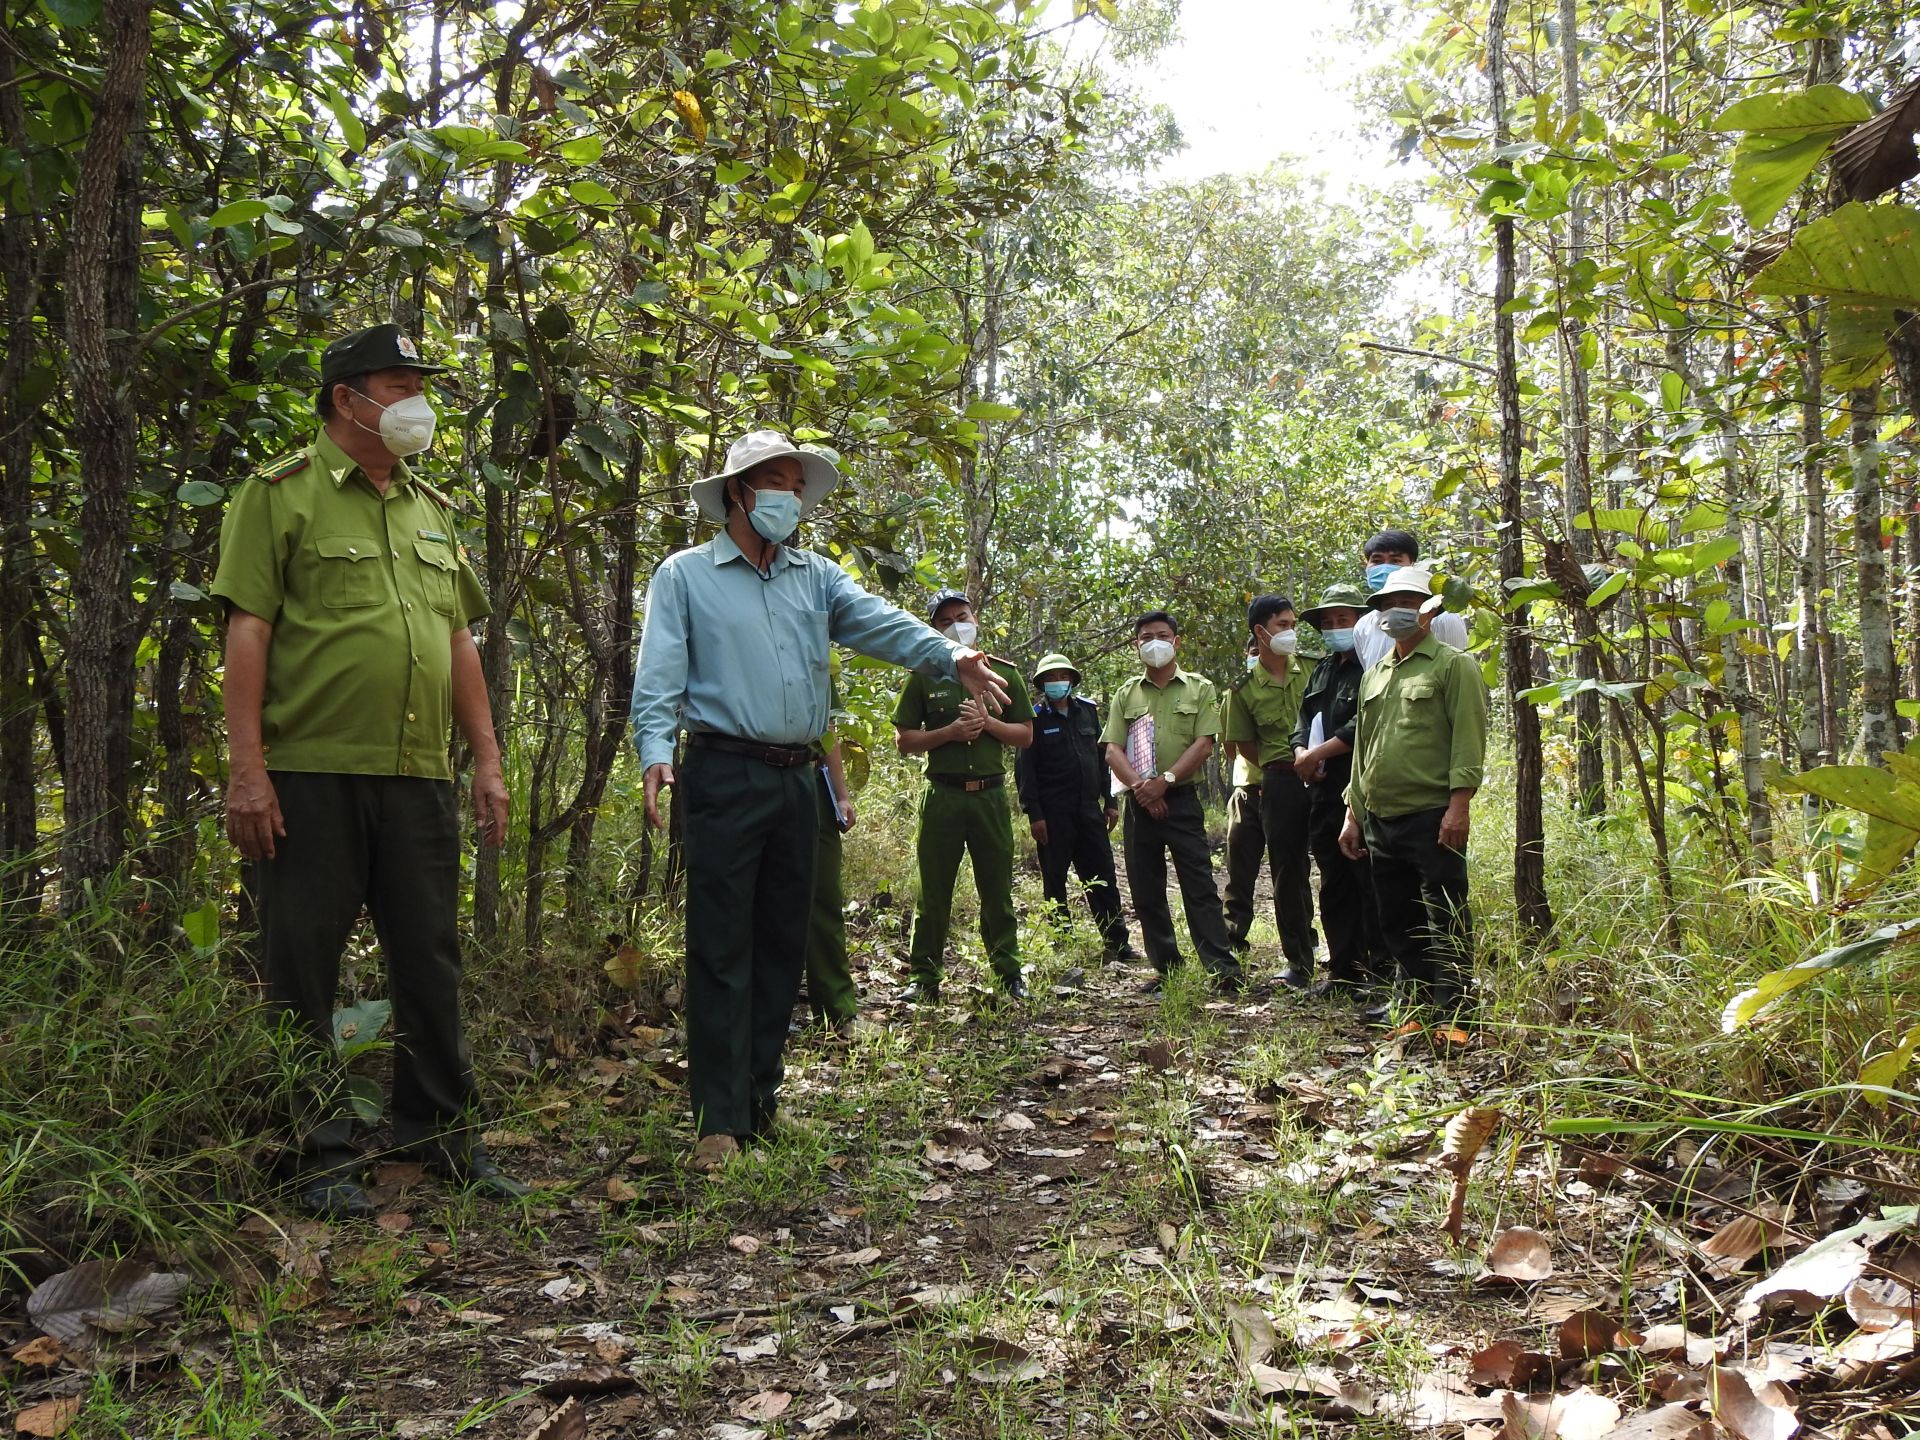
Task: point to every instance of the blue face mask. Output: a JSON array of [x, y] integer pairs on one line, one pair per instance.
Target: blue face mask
[[775, 514], [1339, 641], [1377, 576], [1058, 689]]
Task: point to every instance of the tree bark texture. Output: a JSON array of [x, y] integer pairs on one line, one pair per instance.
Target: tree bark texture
[[1878, 672]]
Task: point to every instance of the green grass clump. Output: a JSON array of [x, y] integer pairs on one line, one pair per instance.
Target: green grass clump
[[139, 1084]]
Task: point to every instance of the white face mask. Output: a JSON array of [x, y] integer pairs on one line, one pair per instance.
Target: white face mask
[[1399, 623], [1283, 642], [406, 426], [963, 632], [1155, 653]]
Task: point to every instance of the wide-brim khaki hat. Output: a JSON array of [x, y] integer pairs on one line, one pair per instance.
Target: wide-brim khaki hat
[[1349, 597], [1055, 662], [819, 474]]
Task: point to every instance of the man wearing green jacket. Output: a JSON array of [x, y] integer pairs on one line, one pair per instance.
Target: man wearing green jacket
[[1419, 755], [965, 808]]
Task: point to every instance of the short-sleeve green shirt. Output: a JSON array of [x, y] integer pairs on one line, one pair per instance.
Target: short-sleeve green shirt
[[364, 592], [929, 704], [1183, 710], [1421, 731], [1261, 711]]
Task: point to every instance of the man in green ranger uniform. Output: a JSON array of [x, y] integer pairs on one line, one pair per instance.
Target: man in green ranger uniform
[[965, 807], [1159, 732], [1259, 728], [348, 657], [1419, 754]]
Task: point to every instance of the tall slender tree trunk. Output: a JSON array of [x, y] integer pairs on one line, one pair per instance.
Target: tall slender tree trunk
[[101, 289], [1529, 842], [1576, 423], [20, 877], [1812, 671], [1878, 671]]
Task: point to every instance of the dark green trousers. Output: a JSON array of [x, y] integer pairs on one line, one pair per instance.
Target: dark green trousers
[[976, 823], [1183, 835], [1348, 914], [750, 834], [1420, 887], [1246, 844], [830, 990], [388, 844], [1284, 802]]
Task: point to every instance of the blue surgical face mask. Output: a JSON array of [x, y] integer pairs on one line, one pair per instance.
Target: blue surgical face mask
[[1377, 576], [1058, 689], [1338, 640], [775, 514]]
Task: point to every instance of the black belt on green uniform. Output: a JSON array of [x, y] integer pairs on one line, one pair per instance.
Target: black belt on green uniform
[[964, 782], [785, 757]]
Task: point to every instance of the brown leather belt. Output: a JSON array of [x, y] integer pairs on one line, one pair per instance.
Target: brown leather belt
[[785, 757], [961, 782]]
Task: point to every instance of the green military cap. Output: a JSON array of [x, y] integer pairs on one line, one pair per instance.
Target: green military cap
[[378, 347], [1056, 661], [1347, 595]]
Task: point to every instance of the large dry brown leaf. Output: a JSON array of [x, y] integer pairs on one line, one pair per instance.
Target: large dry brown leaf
[[1251, 1334], [1873, 158], [1440, 1403], [1676, 1342], [1507, 1365], [1593, 1332], [1520, 1255], [104, 1294], [1582, 1414], [49, 1418], [40, 1353], [1312, 1380], [767, 1406], [993, 1361], [1742, 1238], [569, 1422], [1662, 1422], [1751, 1408]]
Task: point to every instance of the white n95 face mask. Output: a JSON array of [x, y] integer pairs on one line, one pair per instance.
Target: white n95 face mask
[[963, 632], [406, 426], [1157, 653], [1283, 642]]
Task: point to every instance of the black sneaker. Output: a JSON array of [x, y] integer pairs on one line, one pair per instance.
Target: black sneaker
[[1015, 989], [1230, 982], [335, 1197], [484, 1178], [1295, 979], [920, 992], [1154, 986]]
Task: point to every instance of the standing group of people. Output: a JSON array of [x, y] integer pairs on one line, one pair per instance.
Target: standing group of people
[[349, 656]]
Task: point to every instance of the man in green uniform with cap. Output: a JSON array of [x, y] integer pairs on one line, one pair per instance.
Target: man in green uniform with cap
[[1159, 732], [1323, 760], [1246, 842], [1419, 754], [965, 808], [348, 657], [1069, 801], [735, 649], [1259, 728]]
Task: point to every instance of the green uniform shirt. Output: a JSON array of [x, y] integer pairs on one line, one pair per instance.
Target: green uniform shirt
[[930, 704], [364, 592], [1261, 710], [1421, 732], [1183, 710]]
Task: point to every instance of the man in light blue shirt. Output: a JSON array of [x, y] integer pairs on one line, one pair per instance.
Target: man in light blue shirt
[[734, 649]]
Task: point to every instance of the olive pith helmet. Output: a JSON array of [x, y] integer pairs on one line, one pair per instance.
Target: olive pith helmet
[[1055, 662], [1347, 596]]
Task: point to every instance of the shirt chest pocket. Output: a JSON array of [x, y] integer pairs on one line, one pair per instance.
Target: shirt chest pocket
[[437, 569], [1184, 722], [350, 572]]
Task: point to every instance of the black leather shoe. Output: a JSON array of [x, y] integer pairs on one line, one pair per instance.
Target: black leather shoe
[[488, 1180], [1015, 989], [1295, 979], [1230, 982], [1154, 986], [335, 1197], [1126, 951]]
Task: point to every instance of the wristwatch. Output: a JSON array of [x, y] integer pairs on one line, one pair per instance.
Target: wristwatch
[[1166, 778]]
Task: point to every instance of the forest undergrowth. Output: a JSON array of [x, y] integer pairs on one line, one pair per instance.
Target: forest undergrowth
[[993, 1221]]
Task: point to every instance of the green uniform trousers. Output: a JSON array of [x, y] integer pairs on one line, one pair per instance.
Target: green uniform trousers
[[977, 822], [1284, 800], [1183, 835], [1420, 887], [389, 844], [750, 832], [1246, 845], [830, 989]]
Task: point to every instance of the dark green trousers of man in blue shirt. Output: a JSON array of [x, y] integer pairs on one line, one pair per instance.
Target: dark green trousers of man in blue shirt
[[751, 836]]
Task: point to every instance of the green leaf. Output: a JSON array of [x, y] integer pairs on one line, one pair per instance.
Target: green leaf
[[237, 212], [1767, 170], [203, 927], [73, 14], [582, 150], [592, 192], [1881, 1071], [365, 1098], [1865, 788], [988, 410], [1608, 588], [1743, 1008], [1860, 254], [200, 492], [351, 130], [404, 236], [360, 1025], [1887, 847], [1857, 347], [1791, 114]]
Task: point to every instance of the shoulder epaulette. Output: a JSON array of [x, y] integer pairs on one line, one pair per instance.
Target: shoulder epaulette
[[444, 502], [1233, 686], [279, 471]]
